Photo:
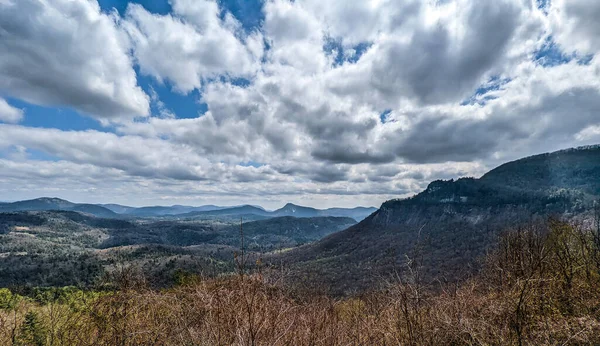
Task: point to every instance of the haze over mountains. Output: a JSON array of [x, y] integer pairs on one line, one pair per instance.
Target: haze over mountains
[[116, 210]]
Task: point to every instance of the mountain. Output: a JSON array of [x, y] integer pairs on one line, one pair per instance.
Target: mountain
[[169, 211], [43, 203], [248, 211], [358, 213], [572, 169], [93, 209], [233, 211], [117, 208], [46, 203], [283, 232], [295, 210], [157, 211], [290, 209], [446, 229], [162, 211]]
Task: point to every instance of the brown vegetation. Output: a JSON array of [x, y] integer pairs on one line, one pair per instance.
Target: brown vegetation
[[540, 287]]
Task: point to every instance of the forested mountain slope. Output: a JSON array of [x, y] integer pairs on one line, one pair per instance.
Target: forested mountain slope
[[447, 228]]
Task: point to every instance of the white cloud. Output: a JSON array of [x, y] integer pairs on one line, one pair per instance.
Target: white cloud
[[575, 24], [126, 164], [192, 45], [440, 55], [8, 113], [68, 53], [320, 121], [589, 133], [306, 127]]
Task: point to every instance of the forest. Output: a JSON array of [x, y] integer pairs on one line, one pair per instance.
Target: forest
[[540, 285]]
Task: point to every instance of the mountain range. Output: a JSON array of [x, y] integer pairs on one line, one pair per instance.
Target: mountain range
[[358, 213], [180, 211], [444, 231]]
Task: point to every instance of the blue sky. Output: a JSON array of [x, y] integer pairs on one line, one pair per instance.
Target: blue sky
[[336, 103], [248, 12]]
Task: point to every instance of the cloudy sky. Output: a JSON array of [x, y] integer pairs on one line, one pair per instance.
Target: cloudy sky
[[322, 103]]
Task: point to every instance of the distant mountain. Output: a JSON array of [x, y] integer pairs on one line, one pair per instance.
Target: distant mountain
[[93, 209], [159, 211], [450, 225], [288, 210], [45, 203], [166, 211], [247, 212], [296, 210], [233, 211], [117, 208], [358, 213]]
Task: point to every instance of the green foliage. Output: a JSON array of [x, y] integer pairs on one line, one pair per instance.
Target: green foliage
[[8, 300], [58, 295], [32, 331], [182, 277]]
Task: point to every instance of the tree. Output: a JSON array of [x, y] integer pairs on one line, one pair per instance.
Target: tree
[[33, 332]]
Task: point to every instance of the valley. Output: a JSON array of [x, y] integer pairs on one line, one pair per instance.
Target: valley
[[62, 248]]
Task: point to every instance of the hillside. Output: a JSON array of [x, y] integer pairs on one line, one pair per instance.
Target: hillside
[[283, 232], [452, 224]]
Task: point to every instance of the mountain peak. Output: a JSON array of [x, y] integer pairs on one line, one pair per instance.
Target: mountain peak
[[51, 200]]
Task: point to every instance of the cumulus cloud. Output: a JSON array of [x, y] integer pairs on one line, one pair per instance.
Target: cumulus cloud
[[576, 26], [8, 113], [438, 56], [134, 155], [321, 125], [191, 45], [68, 53], [353, 101]]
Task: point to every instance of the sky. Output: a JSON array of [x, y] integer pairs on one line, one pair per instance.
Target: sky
[[319, 103]]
